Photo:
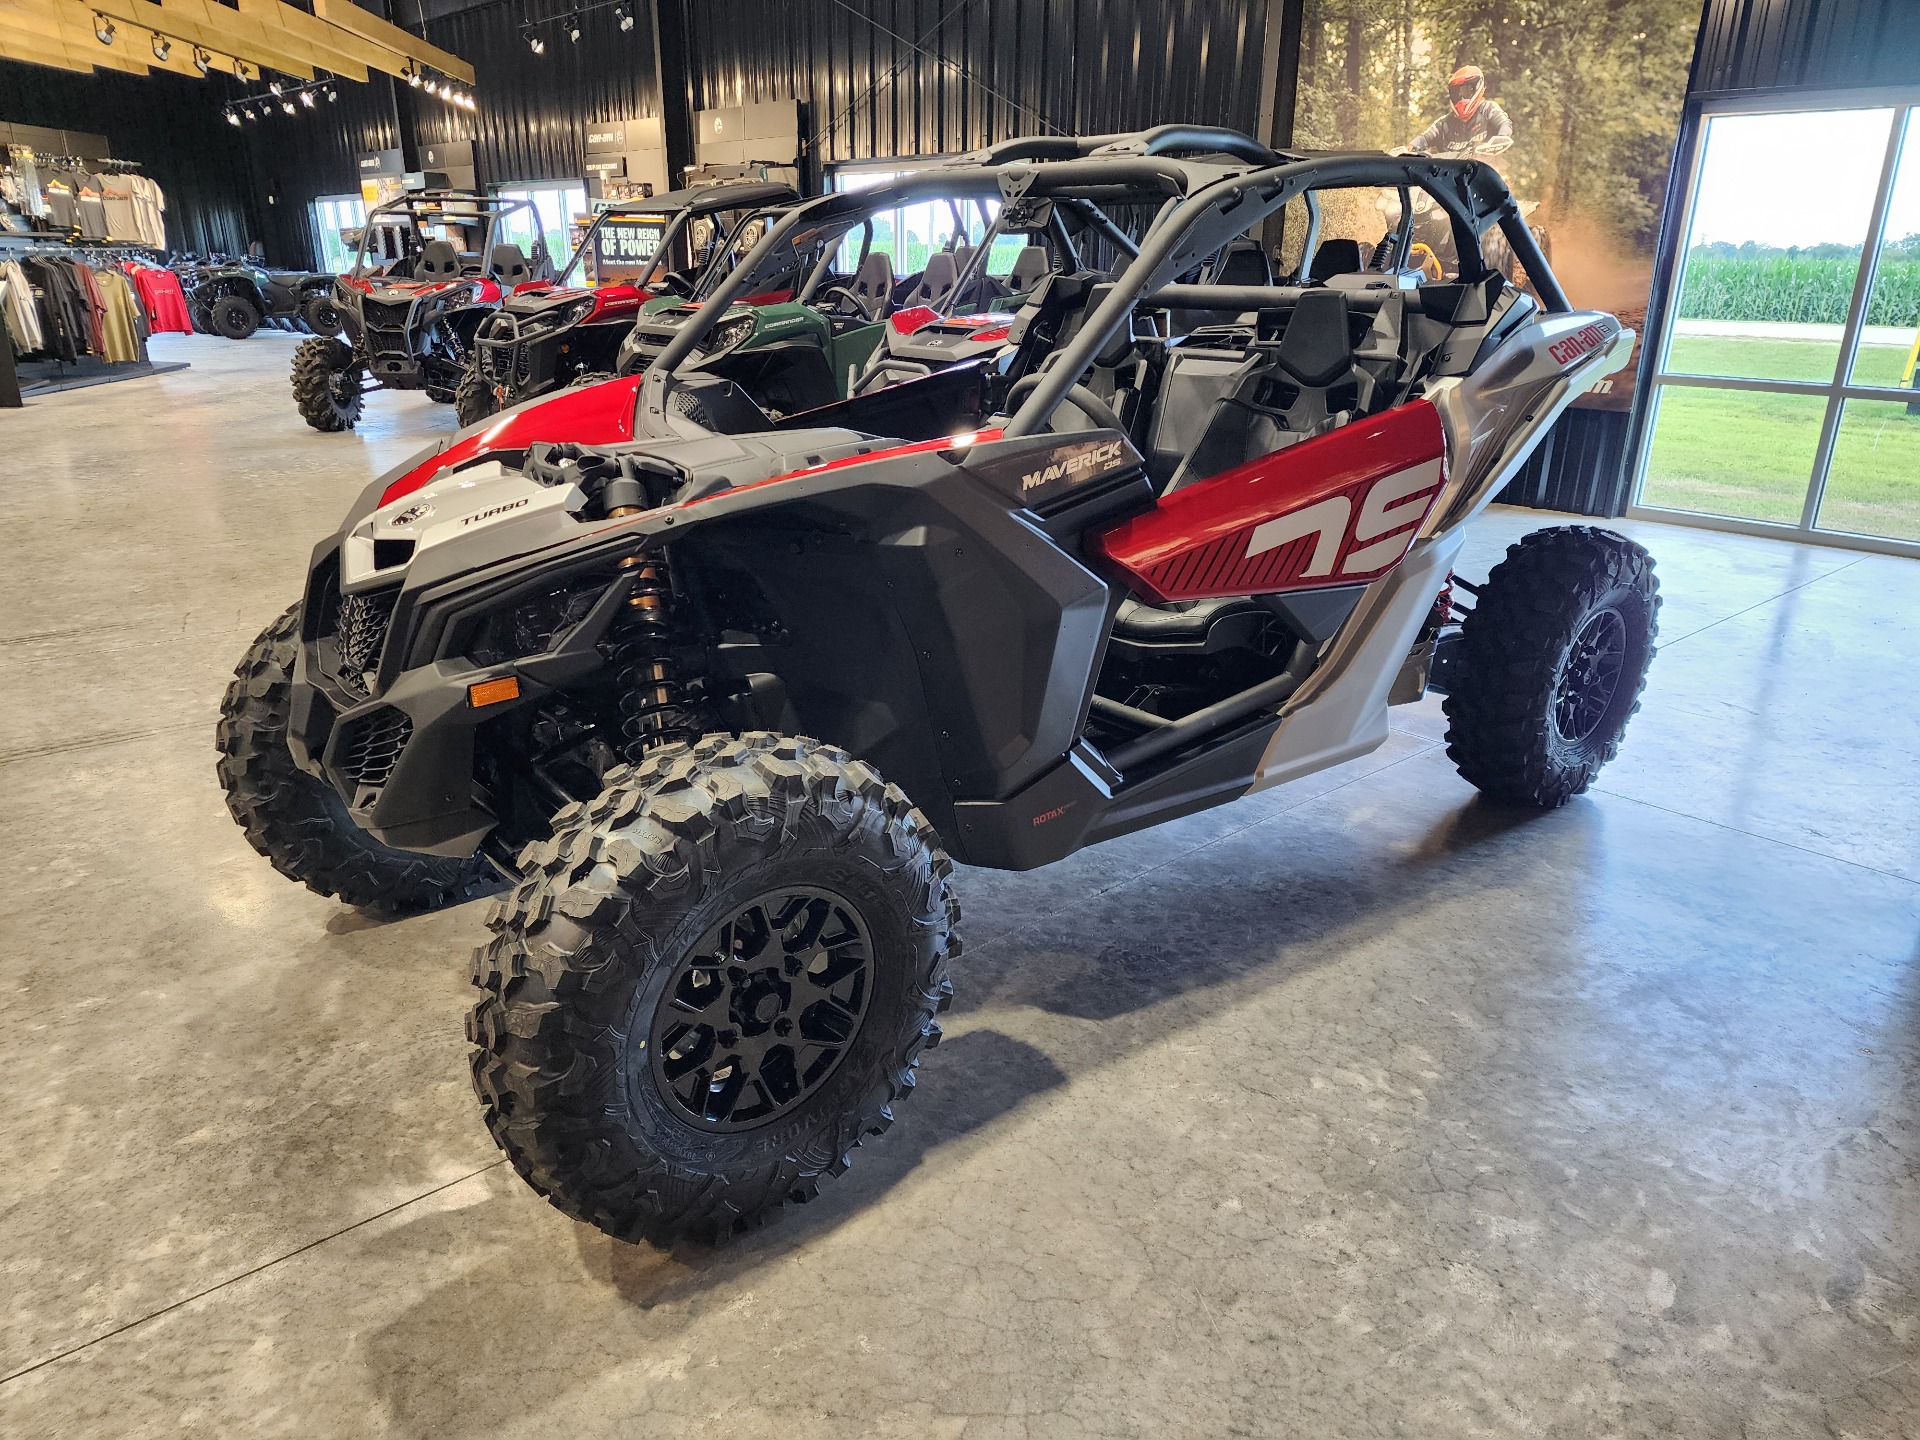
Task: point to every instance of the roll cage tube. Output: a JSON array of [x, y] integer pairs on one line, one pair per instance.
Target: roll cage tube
[[490, 208], [1472, 194]]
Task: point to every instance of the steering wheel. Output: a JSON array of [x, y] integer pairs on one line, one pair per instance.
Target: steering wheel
[[677, 282], [854, 305]]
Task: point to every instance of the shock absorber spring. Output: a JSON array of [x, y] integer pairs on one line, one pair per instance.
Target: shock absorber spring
[[653, 708]]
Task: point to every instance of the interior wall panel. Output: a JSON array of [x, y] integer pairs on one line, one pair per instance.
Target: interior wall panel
[[1806, 44], [314, 152]]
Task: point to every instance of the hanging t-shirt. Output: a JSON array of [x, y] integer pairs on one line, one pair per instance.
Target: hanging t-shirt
[[63, 200], [93, 208], [123, 222], [149, 207]]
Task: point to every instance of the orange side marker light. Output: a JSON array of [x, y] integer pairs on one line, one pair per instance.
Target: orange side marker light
[[492, 692]]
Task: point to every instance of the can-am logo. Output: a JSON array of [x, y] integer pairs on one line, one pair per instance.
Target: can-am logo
[[1074, 467], [1588, 337], [478, 516]]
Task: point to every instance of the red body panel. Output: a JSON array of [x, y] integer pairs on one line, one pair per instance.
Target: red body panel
[[1338, 509], [596, 415]]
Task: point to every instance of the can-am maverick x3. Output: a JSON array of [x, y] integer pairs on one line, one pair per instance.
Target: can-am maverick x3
[[427, 269], [722, 695]]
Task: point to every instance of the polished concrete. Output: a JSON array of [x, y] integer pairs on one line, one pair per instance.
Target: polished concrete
[[1354, 1109]]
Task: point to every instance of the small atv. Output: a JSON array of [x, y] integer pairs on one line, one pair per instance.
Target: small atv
[[546, 337], [236, 297], [428, 268], [723, 696]]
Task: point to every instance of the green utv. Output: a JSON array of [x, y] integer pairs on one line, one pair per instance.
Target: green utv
[[842, 324]]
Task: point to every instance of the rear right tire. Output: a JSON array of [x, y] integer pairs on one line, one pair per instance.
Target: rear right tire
[[326, 384], [298, 821], [1551, 663]]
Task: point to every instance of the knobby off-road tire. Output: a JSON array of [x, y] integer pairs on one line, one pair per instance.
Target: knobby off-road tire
[[298, 822], [234, 317], [473, 398], [319, 315], [326, 384], [1551, 664], [594, 951]]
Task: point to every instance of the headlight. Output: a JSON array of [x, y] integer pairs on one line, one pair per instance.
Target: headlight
[[559, 318], [729, 333]]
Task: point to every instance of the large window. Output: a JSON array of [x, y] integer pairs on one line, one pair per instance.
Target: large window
[[1786, 392], [557, 203], [331, 215], [908, 234]]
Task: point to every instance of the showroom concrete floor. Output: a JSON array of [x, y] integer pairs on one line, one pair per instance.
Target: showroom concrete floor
[[1357, 1108]]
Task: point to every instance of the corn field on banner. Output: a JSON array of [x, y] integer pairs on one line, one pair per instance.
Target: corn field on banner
[[1576, 102]]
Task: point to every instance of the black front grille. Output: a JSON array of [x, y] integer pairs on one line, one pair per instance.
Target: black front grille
[[356, 625], [379, 315], [369, 748], [497, 362]]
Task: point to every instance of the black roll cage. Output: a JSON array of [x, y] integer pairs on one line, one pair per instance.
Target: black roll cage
[[1217, 185], [681, 208], [431, 205]]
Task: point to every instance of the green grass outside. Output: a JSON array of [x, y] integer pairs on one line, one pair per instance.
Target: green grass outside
[[1731, 452]]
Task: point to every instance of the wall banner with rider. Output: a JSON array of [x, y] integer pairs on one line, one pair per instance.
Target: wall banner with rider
[[1576, 102]]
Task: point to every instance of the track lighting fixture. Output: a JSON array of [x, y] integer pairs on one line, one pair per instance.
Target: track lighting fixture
[[306, 98], [573, 28], [333, 94], [162, 47], [274, 86], [102, 29], [287, 105], [202, 61], [536, 44], [232, 119], [413, 76], [624, 16]]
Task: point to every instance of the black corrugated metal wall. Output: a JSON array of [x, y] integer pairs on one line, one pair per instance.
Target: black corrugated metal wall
[[167, 123], [310, 153], [535, 109]]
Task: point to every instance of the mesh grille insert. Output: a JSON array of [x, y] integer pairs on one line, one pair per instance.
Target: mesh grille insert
[[369, 748]]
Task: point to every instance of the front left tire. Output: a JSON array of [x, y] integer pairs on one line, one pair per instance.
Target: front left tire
[[711, 984], [234, 317]]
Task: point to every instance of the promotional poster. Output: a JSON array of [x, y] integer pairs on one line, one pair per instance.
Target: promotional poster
[[1575, 102]]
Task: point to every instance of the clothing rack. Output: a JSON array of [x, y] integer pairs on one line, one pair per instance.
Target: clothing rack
[[94, 164], [53, 374]]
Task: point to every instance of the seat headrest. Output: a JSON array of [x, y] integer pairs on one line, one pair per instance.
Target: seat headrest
[[1316, 348], [438, 261], [875, 276], [506, 264], [1245, 263], [1028, 266], [937, 280], [1338, 256]]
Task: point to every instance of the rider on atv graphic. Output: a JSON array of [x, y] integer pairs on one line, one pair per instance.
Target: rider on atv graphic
[[1476, 128]]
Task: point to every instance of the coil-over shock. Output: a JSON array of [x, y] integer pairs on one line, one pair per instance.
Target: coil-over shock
[[655, 690]]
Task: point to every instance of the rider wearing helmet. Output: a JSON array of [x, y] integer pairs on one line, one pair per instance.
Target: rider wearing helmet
[[1472, 121]]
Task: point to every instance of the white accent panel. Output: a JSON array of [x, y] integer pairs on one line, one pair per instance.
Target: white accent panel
[[1393, 503], [1328, 519]]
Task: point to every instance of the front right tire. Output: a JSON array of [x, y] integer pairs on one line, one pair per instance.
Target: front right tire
[[326, 384], [711, 984], [234, 317], [473, 399], [298, 821]]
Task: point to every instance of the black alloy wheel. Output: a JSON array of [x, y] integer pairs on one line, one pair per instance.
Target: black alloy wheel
[[761, 1010], [1590, 676]]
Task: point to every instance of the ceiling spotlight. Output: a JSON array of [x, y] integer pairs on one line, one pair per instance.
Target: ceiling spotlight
[[162, 47], [202, 61], [232, 119], [624, 16], [306, 98], [536, 44], [413, 76], [573, 28], [274, 86], [103, 29], [246, 113], [333, 94], [287, 105]]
